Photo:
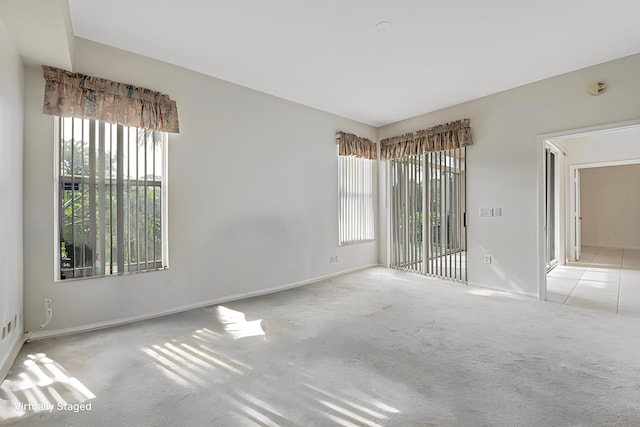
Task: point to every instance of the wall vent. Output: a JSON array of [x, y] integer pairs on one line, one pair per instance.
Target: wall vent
[[6, 330]]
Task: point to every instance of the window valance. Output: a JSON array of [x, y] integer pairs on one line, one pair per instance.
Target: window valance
[[68, 94], [437, 138], [353, 145]]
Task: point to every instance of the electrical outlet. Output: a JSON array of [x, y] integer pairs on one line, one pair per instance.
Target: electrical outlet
[[487, 259]]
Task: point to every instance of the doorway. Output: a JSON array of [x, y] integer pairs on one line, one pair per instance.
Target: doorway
[[562, 254]]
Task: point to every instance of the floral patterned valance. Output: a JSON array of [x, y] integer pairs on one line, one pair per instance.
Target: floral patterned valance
[[437, 138], [353, 145], [70, 94]]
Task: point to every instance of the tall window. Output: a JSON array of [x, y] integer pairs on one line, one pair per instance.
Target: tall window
[[111, 198], [355, 178]]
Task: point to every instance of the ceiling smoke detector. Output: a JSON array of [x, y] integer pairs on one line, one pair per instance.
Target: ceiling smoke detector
[[383, 26], [597, 88]]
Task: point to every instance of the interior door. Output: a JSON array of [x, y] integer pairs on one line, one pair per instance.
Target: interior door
[[551, 207]]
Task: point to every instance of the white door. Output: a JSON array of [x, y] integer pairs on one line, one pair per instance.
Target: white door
[[551, 208]]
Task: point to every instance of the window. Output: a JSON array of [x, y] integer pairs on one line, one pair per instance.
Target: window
[[355, 178], [111, 198]]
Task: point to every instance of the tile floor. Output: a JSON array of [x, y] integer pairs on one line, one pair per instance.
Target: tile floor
[[605, 279]]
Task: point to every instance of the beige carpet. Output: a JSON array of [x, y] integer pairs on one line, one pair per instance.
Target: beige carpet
[[373, 348]]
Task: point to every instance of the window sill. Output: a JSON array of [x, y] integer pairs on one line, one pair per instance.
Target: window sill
[[356, 242], [108, 276]]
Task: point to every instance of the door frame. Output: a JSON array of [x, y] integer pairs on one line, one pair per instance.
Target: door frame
[[559, 252], [575, 239], [541, 211]]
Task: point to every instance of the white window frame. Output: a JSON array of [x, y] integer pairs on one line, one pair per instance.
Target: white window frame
[[57, 181]]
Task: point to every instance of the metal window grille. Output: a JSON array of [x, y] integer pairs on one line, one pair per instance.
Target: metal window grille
[[111, 198], [356, 219]]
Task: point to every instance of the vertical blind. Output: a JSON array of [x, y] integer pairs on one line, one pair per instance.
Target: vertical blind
[[355, 179], [445, 245], [407, 207], [111, 198], [427, 189], [428, 233]]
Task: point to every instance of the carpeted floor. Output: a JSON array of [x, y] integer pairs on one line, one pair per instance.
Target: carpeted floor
[[376, 347]]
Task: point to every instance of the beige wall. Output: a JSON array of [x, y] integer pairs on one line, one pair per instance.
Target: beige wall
[[252, 197], [610, 206], [502, 165], [11, 257]]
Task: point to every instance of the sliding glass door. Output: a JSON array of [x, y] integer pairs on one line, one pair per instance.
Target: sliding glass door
[[407, 209], [428, 214], [446, 256]]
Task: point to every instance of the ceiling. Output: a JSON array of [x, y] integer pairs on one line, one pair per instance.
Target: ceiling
[[329, 55]]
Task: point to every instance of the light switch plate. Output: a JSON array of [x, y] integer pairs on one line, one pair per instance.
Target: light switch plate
[[486, 211]]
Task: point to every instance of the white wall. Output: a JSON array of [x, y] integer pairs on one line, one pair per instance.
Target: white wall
[[252, 197], [606, 146], [11, 143], [502, 164], [610, 206]]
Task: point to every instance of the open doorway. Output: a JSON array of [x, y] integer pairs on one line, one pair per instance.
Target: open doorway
[[603, 206], [587, 258]]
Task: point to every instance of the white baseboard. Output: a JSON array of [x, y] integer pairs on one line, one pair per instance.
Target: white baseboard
[[7, 363], [507, 291], [131, 319], [610, 246]]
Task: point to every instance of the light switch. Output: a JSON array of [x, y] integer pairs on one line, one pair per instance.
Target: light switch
[[497, 211], [486, 211]]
